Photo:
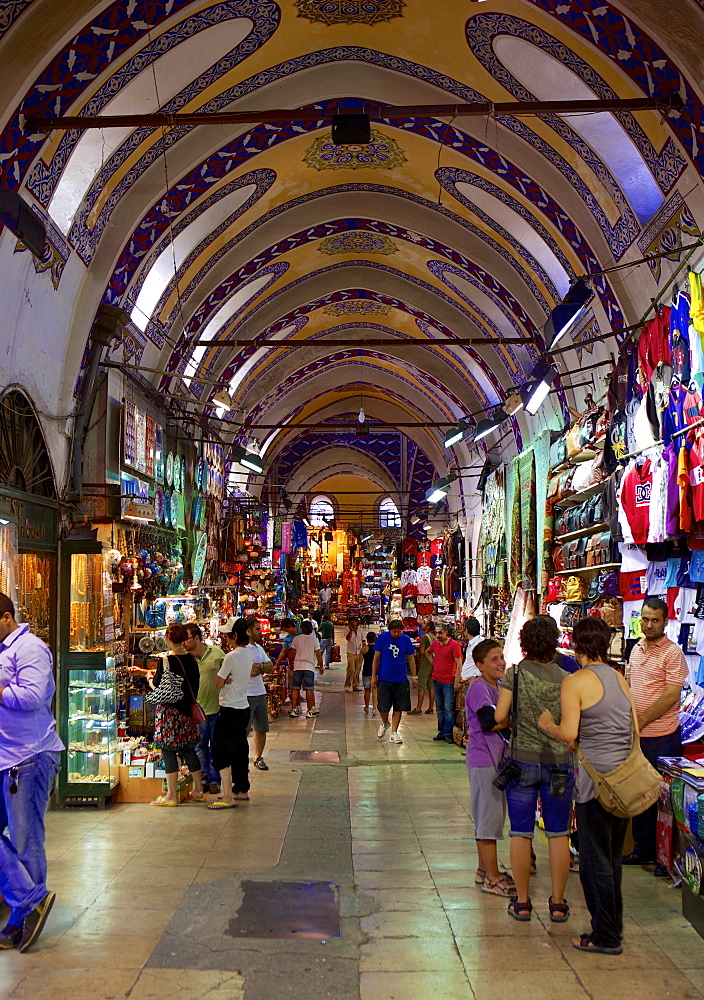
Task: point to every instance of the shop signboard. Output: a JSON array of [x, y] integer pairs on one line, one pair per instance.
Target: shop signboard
[[36, 522], [142, 442]]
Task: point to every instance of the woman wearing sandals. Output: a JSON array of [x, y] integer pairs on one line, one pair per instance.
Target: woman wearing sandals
[[544, 768], [597, 707], [175, 732]]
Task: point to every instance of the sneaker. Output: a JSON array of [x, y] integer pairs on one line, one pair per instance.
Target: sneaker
[[34, 924], [294, 713], [213, 788], [396, 738], [382, 729], [661, 871], [10, 937], [312, 712], [450, 739], [373, 712], [498, 887], [260, 763]]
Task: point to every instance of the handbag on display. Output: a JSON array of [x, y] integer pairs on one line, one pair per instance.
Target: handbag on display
[[612, 612], [610, 585], [169, 689], [575, 589], [588, 473], [555, 589]]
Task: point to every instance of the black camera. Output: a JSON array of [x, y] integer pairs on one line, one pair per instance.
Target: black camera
[[507, 769]]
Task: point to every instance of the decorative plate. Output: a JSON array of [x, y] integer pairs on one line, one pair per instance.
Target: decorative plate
[[203, 513], [170, 469], [159, 504], [159, 644], [183, 475], [205, 481], [200, 468], [146, 644], [176, 509], [167, 508], [177, 473]]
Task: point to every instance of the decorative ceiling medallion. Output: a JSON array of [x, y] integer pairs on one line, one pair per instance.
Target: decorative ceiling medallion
[[382, 151], [359, 307], [349, 11], [358, 242]]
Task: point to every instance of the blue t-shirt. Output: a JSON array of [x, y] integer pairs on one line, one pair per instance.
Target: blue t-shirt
[[392, 662], [289, 639]]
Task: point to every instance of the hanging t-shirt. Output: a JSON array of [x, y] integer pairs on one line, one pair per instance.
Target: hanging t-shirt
[[672, 516], [633, 586], [695, 460], [624, 379], [673, 418], [655, 578], [636, 488], [654, 344], [679, 338]]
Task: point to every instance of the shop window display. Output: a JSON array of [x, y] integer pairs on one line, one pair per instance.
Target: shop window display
[[92, 726]]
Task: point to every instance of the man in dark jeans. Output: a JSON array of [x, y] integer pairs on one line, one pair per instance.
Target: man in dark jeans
[[656, 672]]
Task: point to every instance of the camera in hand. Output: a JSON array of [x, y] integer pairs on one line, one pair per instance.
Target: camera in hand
[[507, 769]]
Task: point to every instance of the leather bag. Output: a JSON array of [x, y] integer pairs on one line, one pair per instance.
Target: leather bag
[[576, 589], [630, 788]]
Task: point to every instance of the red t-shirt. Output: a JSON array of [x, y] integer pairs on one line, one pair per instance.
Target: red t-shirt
[[695, 462], [635, 500], [444, 662]]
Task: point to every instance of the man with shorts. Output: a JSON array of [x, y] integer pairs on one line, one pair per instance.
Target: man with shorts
[[305, 651], [355, 641], [290, 630], [394, 656], [256, 695], [425, 671]]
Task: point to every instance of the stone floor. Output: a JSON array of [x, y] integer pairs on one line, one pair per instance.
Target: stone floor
[[151, 903]]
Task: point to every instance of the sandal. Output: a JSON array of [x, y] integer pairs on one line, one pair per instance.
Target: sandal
[[586, 944], [429, 711], [221, 804], [480, 875], [161, 801], [520, 911], [499, 887], [559, 912], [574, 865], [195, 797]]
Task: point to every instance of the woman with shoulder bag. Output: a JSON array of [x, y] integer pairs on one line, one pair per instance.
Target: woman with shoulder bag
[[175, 732], [543, 768], [596, 705]]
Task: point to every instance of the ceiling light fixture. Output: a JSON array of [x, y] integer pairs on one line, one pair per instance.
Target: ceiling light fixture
[[563, 317], [441, 488], [249, 461], [415, 519], [535, 391], [489, 424], [366, 538], [460, 431], [223, 399], [427, 526], [513, 402], [361, 417]]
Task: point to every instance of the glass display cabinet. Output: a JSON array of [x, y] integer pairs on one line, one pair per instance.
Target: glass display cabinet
[[87, 705]]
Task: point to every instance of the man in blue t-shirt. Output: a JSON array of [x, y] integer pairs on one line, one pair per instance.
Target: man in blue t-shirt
[[394, 656]]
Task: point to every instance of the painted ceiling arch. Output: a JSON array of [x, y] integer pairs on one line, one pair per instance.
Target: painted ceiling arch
[[460, 228]]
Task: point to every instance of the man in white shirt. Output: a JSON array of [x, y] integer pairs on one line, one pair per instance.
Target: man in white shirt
[[355, 641], [230, 751], [256, 695], [472, 628], [305, 652], [324, 598]]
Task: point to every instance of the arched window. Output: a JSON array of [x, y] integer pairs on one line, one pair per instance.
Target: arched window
[[321, 511], [389, 516]]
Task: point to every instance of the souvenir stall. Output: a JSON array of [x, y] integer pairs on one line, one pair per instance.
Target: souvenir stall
[[496, 598], [378, 573]]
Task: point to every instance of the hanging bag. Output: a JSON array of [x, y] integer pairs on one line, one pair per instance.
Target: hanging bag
[[169, 689], [630, 788]]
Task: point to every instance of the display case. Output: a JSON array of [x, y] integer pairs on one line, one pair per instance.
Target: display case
[[87, 705]]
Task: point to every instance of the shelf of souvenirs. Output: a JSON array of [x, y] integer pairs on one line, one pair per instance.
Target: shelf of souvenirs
[[162, 628], [90, 686], [588, 569], [582, 533], [89, 717], [576, 498], [103, 749]]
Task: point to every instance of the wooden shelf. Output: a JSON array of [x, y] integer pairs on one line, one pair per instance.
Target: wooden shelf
[[588, 569], [576, 498], [582, 533]]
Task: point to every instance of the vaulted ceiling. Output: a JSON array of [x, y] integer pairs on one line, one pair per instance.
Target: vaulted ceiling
[[439, 229]]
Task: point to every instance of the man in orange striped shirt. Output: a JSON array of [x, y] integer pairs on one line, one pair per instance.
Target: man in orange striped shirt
[[656, 672]]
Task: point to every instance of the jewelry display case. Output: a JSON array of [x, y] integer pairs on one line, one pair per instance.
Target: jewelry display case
[[87, 704]]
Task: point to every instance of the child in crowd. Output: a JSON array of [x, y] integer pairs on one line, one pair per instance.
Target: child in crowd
[[485, 748], [367, 662]]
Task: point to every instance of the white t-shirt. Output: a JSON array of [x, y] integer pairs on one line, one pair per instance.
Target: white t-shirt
[[238, 666], [325, 594], [256, 684], [469, 667], [305, 647]]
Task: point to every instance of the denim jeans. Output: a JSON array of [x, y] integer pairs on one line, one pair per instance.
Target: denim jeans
[[601, 837], [22, 854], [645, 825], [204, 748], [522, 796], [445, 706], [326, 649]]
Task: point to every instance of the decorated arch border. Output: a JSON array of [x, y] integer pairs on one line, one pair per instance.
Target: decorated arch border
[[147, 251], [334, 227], [481, 31], [10, 10]]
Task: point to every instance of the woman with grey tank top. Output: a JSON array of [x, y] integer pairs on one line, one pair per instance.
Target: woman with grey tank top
[[597, 710]]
